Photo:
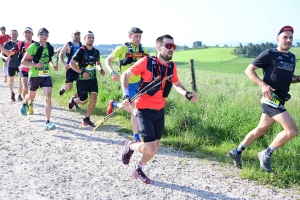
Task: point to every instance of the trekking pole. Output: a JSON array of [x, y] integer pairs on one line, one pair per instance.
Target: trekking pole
[[139, 94], [133, 98]]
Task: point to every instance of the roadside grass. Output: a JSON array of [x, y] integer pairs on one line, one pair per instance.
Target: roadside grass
[[228, 108]]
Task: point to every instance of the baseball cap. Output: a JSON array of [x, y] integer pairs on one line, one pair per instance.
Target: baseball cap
[[43, 30], [88, 33], [76, 31], [2, 27], [28, 29], [133, 30], [286, 28]]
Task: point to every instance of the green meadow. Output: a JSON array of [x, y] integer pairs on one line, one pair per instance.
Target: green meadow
[[228, 107]]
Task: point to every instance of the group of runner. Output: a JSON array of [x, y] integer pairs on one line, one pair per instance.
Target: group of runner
[[151, 77]]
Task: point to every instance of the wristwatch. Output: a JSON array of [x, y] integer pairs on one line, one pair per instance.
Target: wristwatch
[[113, 73]]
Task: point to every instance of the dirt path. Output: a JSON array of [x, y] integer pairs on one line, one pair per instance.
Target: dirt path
[[73, 162]]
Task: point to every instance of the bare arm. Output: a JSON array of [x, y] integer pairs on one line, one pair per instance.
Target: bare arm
[[125, 80], [108, 66], [27, 63], [65, 49], [6, 52], [100, 68], [181, 90]]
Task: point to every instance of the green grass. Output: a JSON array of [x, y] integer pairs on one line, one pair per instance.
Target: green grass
[[228, 108]]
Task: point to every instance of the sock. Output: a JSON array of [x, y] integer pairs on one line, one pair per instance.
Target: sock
[[48, 121], [140, 165], [131, 147], [136, 137], [270, 150], [24, 104], [115, 104], [240, 149]]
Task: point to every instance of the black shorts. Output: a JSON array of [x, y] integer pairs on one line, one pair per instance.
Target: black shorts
[[271, 111], [71, 76], [12, 71], [151, 124], [84, 87], [23, 74], [35, 82]]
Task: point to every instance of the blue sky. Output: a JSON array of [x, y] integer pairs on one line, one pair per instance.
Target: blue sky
[[210, 21]]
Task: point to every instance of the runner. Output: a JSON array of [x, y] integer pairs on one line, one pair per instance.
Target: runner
[[4, 38], [88, 59], [278, 65], [150, 107], [69, 49], [39, 76], [13, 64], [127, 54], [19, 50]]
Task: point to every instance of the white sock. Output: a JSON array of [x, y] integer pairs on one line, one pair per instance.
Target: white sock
[[5, 70]]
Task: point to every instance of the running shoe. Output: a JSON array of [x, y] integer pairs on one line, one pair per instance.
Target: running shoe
[[20, 98], [50, 126], [62, 90], [265, 161], [71, 102], [24, 109], [76, 106], [5, 79], [30, 109], [236, 158], [110, 107], [87, 122], [12, 97], [140, 175], [127, 152]]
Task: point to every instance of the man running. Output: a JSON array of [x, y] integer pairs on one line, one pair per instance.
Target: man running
[[13, 64], [39, 74], [4, 38], [69, 49], [127, 54], [88, 59], [278, 65], [150, 106], [19, 49]]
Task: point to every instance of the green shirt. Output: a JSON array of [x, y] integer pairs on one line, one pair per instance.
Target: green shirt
[[120, 51], [43, 71]]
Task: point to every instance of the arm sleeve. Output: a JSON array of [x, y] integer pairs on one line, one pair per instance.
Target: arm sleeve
[[140, 66], [262, 60], [175, 76]]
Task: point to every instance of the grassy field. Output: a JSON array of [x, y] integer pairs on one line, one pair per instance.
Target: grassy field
[[227, 109]]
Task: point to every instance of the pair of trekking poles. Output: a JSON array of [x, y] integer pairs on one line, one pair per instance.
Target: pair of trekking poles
[[139, 94]]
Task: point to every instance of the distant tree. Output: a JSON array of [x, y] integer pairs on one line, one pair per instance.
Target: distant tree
[[225, 46], [217, 45], [197, 44], [185, 47], [298, 44]]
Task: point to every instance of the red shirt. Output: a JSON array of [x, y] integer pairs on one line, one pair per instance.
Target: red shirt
[[17, 49], [146, 101], [4, 38]]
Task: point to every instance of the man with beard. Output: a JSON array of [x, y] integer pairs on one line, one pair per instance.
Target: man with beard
[[127, 54], [69, 49], [149, 108], [20, 49], [88, 59], [13, 64], [278, 65], [4, 38], [39, 74]]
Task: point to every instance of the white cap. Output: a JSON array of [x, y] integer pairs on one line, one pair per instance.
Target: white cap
[[28, 29], [76, 31], [88, 33]]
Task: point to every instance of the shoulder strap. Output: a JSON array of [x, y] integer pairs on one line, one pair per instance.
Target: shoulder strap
[[129, 48], [50, 50], [141, 50]]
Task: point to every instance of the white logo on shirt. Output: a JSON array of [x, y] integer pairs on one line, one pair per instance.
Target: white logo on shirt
[[279, 57]]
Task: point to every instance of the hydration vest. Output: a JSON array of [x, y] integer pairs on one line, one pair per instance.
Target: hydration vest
[[22, 50], [155, 68], [131, 56], [36, 58], [88, 64], [72, 51]]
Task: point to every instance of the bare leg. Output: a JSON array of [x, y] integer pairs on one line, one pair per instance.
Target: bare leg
[[148, 149], [93, 100], [20, 86], [11, 83], [24, 81], [48, 106]]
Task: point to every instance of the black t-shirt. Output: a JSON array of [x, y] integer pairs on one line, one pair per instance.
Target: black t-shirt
[[85, 57], [14, 62], [278, 69]]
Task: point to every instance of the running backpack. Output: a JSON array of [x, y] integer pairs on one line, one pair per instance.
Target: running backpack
[[69, 55], [22, 50], [36, 58]]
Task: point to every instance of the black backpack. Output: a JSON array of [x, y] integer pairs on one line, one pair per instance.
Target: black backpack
[[36, 58], [22, 50], [69, 55]]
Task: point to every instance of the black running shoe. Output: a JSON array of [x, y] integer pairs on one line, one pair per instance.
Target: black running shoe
[[12, 97], [127, 152], [76, 106], [71, 102], [61, 91], [87, 122], [20, 98], [139, 174]]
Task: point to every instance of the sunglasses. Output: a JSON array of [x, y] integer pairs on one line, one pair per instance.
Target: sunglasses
[[169, 46], [44, 34]]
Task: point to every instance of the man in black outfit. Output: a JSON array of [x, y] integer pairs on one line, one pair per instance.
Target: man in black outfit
[[278, 65]]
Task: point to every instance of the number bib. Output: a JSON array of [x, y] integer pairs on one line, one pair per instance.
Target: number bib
[[274, 102], [44, 72]]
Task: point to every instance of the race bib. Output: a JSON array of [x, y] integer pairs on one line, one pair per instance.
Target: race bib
[[274, 102], [90, 67], [44, 72]]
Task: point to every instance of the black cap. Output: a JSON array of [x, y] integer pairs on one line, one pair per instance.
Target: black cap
[[43, 30], [2, 27], [134, 30]]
